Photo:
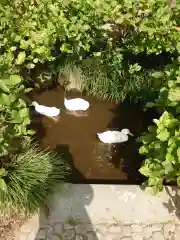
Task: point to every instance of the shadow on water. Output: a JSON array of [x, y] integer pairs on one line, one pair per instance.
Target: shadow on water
[[66, 206], [126, 153]]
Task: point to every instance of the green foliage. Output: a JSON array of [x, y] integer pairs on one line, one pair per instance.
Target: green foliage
[[161, 147], [14, 114], [35, 31], [29, 178]]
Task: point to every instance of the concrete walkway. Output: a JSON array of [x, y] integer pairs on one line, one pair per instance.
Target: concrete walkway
[[106, 212]]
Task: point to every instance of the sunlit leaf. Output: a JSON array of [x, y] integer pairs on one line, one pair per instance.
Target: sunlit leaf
[[5, 99], [2, 172], [178, 181], [143, 150], [174, 94], [24, 112], [14, 80], [3, 86], [158, 74], [31, 132], [21, 58], [3, 186], [144, 170], [150, 104], [163, 135], [28, 90]]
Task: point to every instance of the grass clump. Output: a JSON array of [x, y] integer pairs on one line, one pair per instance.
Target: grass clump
[[30, 177], [107, 81]]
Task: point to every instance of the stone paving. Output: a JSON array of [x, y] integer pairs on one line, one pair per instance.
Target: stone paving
[[116, 231]]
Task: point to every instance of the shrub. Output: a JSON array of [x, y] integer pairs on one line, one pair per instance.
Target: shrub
[[36, 31], [29, 177], [161, 147]]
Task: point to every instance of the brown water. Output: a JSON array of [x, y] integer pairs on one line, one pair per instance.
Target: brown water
[[91, 160]]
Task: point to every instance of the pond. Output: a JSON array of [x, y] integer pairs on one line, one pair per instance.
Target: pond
[[91, 160]]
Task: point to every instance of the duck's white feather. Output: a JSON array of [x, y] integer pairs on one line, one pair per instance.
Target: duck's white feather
[[76, 104], [114, 136], [44, 110]]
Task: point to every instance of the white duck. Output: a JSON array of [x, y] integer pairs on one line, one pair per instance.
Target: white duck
[[76, 104], [111, 137], [51, 112]]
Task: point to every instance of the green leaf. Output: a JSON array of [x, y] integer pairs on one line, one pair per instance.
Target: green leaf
[[158, 74], [28, 90], [178, 46], [144, 170], [3, 186], [156, 121], [16, 118], [30, 65], [178, 153], [2, 172], [169, 157], [174, 94], [21, 58], [178, 181], [24, 112], [150, 104], [31, 132], [143, 150], [14, 80], [3, 86], [163, 135], [5, 99]]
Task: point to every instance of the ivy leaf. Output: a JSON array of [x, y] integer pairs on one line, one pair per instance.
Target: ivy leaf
[[174, 94], [144, 170], [2, 172], [150, 104], [178, 46], [21, 58], [178, 181], [28, 90], [24, 112], [3, 86], [14, 80], [31, 132], [157, 74], [3, 186], [143, 150], [5, 99], [178, 153], [16, 117], [163, 135]]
